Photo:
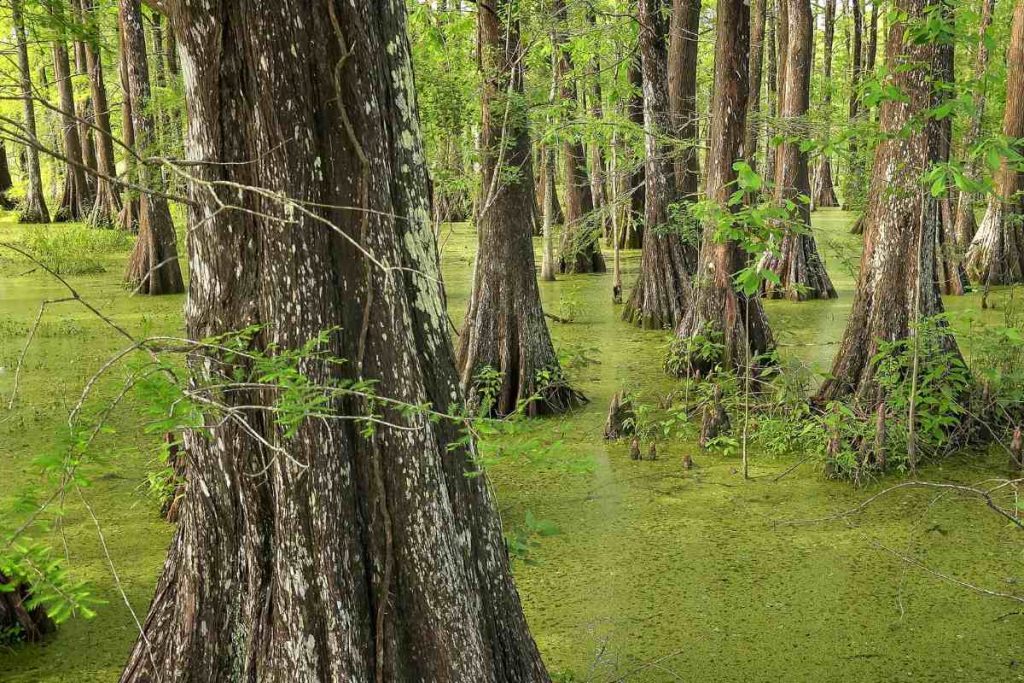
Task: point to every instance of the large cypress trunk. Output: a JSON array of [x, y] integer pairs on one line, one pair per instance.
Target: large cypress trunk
[[581, 248], [153, 267], [75, 198], [996, 254], [897, 283], [352, 555], [717, 312], [34, 209], [659, 297], [505, 329], [823, 192], [797, 263]]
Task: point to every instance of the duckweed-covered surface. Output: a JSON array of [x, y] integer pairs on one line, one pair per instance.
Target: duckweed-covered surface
[[655, 573]]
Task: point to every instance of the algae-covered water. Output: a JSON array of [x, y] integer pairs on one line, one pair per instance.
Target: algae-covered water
[[653, 573]]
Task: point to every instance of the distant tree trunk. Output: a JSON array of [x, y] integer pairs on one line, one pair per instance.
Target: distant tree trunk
[[824, 193], [856, 167], [949, 261], [581, 249], [597, 162], [130, 209], [682, 93], [6, 182], [897, 282], [798, 264], [171, 50], [632, 234], [782, 37], [34, 209], [965, 224], [548, 265], [773, 82], [558, 216], [86, 119], [996, 254], [716, 311], [107, 204], [153, 267], [505, 329], [359, 555], [75, 199], [754, 122], [659, 297], [872, 49]]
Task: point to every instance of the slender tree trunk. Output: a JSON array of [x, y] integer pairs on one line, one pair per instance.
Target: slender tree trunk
[[75, 199], [754, 119], [659, 296], [107, 203], [996, 254], [965, 224], [824, 193], [558, 216], [897, 283], [355, 555], [86, 118], [632, 235], [548, 265], [581, 247], [717, 312], [772, 20], [856, 170], [949, 259], [130, 209], [505, 330], [872, 49], [153, 267], [34, 209], [798, 264], [598, 181], [6, 182]]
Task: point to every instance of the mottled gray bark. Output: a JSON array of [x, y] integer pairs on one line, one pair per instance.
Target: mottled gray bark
[[355, 557]]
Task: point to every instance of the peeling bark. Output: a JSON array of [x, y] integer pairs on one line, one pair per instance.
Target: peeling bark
[[716, 310], [897, 283], [357, 557]]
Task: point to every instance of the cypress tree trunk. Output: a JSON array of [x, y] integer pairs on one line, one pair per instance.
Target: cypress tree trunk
[[717, 312], [659, 297], [598, 181], [34, 209], [505, 329], [772, 20], [6, 182], [897, 282], [754, 122], [996, 254], [856, 166], [548, 156], [798, 264], [129, 217], [153, 267], [632, 234], [107, 204], [581, 248], [86, 119], [965, 224], [824, 193], [359, 556], [75, 198], [682, 93]]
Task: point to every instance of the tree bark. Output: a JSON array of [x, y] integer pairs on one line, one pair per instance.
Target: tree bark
[[658, 299], [505, 330], [824, 193], [717, 312], [581, 248], [965, 224], [6, 182], [107, 204], [996, 254], [754, 118], [798, 264], [129, 217], [153, 267], [682, 92], [75, 198], [897, 283], [357, 556], [34, 209], [855, 170], [632, 235]]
